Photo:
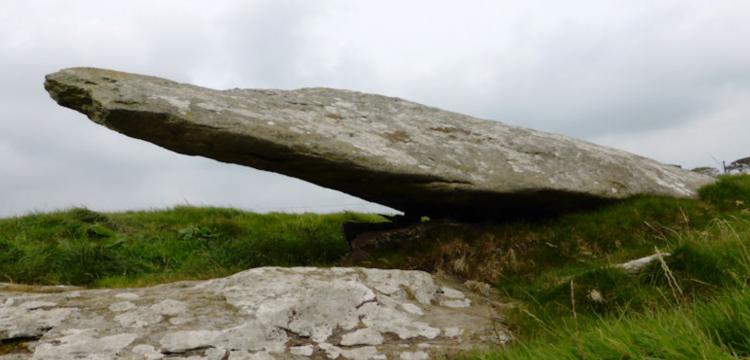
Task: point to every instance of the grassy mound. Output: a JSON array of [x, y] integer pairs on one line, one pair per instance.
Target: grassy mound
[[693, 304]]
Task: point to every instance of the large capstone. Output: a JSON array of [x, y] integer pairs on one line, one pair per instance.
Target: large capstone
[[411, 157], [263, 313]]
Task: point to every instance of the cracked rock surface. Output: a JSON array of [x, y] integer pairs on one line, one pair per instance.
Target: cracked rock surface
[[263, 313], [411, 157]]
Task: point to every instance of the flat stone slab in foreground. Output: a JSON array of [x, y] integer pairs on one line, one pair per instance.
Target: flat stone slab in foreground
[[263, 313], [411, 157]]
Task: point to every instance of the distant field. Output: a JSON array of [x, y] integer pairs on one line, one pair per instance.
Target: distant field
[[569, 302]]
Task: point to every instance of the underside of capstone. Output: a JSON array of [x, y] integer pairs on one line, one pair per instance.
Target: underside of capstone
[[411, 157]]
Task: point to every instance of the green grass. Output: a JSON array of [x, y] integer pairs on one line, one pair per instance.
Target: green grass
[[694, 305], [518, 253], [717, 329], [83, 247]]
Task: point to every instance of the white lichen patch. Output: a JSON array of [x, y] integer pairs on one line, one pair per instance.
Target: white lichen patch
[[75, 342], [463, 303], [414, 355], [366, 336], [390, 320], [305, 350], [127, 296], [412, 309], [362, 353], [453, 332], [19, 322], [138, 318], [182, 105], [211, 106], [169, 307], [121, 306]]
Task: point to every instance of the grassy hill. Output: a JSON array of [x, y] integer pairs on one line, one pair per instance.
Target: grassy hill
[[569, 302], [83, 247]]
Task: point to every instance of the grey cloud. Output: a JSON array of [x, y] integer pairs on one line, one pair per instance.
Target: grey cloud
[[628, 74]]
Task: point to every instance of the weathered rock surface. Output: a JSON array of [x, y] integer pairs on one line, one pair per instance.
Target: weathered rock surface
[[414, 158], [263, 313]]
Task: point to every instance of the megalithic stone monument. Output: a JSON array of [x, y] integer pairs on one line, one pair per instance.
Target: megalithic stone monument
[[414, 158]]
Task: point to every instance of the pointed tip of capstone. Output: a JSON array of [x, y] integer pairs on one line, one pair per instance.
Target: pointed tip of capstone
[[71, 87]]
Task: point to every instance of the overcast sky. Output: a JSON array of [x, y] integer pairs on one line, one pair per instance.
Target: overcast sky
[[666, 79]]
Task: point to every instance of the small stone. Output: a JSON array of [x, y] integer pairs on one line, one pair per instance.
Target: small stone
[[306, 350], [121, 306], [634, 266], [595, 296], [366, 336], [452, 293], [503, 338]]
